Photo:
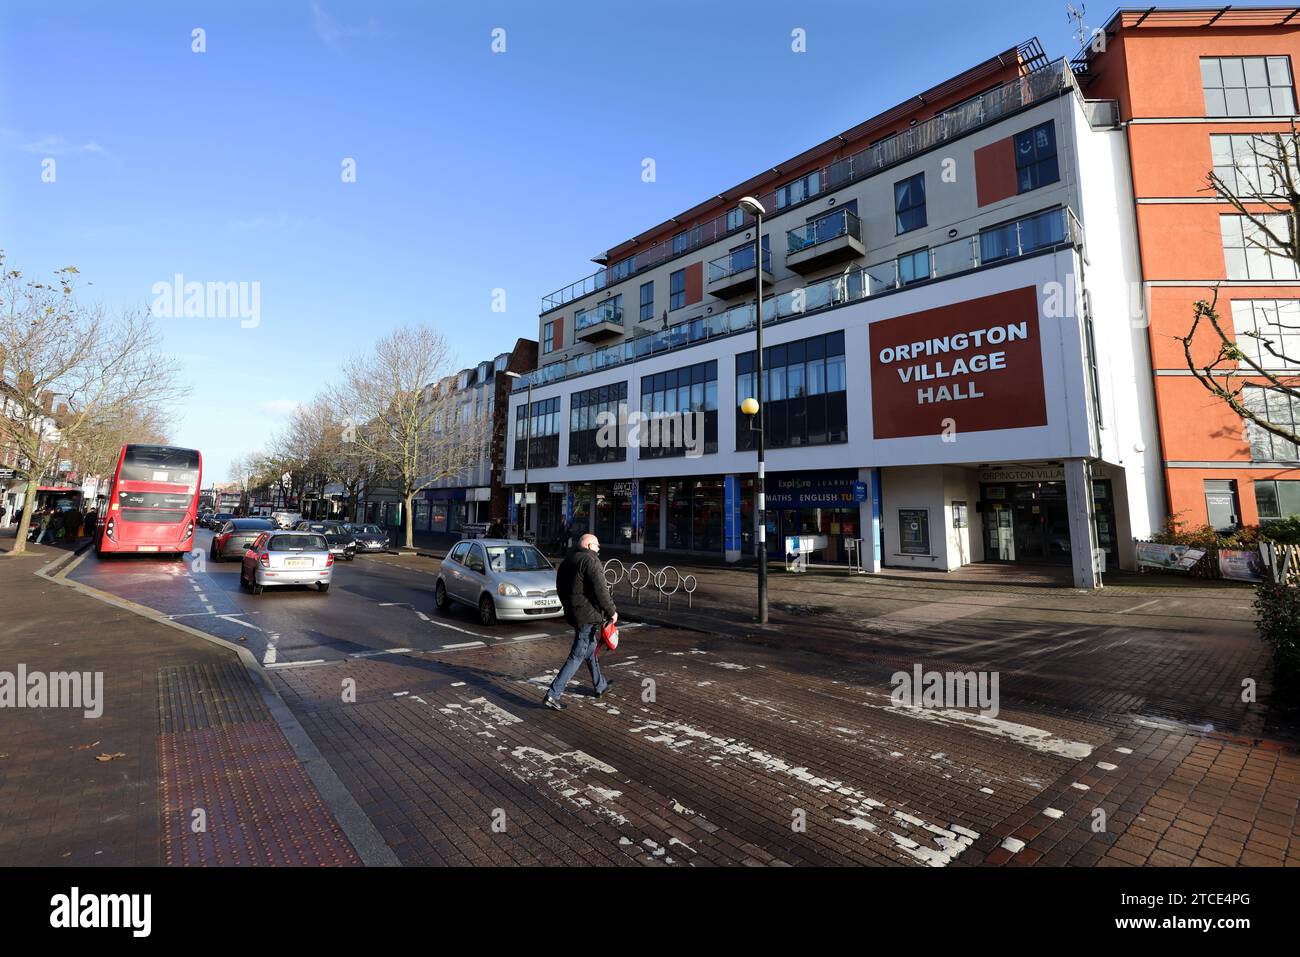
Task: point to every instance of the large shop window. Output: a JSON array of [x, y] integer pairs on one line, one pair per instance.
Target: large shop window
[[1278, 408], [586, 422], [538, 434], [679, 411], [804, 393], [694, 516], [1277, 499]]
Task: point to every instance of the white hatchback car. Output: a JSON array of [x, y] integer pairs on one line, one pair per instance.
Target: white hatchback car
[[500, 577], [287, 558]]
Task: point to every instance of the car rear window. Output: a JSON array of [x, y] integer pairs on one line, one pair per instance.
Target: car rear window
[[250, 524], [298, 543]]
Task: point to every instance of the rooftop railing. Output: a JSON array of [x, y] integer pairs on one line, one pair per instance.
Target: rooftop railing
[[981, 110], [1008, 241]]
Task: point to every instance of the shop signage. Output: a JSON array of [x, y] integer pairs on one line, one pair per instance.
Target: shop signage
[[558, 488], [1169, 557], [1052, 473], [974, 366], [1243, 565], [834, 489], [860, 493], [731, 513]]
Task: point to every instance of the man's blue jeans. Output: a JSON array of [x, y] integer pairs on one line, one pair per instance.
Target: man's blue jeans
[[585, 642]]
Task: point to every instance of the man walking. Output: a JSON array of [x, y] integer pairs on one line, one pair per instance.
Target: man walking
[[587, 605]]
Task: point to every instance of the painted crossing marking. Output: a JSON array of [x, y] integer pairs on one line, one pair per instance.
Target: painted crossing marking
[[381, 651], [540, 634], [296, 664], [1145, 604], [465, 644], [236, 621]]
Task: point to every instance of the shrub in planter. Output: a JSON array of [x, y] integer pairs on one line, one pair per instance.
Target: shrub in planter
[[1278, 610]]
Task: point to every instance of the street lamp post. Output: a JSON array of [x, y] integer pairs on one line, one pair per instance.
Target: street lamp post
[[752, 206]]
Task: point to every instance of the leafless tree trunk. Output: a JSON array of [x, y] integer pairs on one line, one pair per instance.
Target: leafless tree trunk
[[67, 369], [405, 411]]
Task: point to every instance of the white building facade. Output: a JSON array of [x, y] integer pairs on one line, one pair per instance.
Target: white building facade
[[955, 370]]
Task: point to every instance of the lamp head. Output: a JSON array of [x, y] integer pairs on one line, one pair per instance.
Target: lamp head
[[752, 206], [749, 406]]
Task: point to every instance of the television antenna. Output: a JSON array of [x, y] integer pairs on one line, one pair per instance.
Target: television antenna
[[1075, 15]]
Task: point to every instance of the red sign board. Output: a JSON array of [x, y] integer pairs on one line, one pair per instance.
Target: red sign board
[[972, 366]]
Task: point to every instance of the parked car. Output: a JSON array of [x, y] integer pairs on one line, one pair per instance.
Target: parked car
[[502, 578], [370, 538], [287, 558], [337, 534], [285, 519], [234, 537]]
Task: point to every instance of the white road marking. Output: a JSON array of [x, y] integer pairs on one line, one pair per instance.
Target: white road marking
[[381, 651], [1053, 813], [464, 644], [270, 655], [235, 621], [540, 634], [1106, 766], [297, 664], [1013, 844], [1145, 604]]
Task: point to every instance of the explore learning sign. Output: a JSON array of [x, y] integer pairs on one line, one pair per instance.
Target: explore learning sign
[[978, 363]]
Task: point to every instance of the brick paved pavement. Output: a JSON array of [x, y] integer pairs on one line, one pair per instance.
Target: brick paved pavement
[[187, 730]]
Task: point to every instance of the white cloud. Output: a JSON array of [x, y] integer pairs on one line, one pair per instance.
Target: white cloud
[[332, 32]]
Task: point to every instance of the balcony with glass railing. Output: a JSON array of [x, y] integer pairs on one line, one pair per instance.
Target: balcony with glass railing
[[990, 107], [734, 272], [599, 322], [824, 241], [1007, 242]]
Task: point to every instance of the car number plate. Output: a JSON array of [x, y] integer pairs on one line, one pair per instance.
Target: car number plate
[[146, 548], [297, 563], [548, 601]]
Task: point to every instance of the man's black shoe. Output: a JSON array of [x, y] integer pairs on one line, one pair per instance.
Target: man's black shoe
[[608, 685], [552, 703]]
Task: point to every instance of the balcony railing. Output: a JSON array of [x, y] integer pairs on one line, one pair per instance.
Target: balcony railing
[[738, 261], [1052, 229], [602, 312], [842, 222], [984, 109]]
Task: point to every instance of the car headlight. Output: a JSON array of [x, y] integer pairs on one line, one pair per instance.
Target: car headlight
[[508, 590]]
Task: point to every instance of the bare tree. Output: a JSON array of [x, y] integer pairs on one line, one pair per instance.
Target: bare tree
[[406, 414], [66, 369], [1262, 184]]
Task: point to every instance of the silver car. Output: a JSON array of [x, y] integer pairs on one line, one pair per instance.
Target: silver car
[[287, 558], [502, 578]]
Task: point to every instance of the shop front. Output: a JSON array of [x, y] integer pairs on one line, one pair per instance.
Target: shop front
[[1026, 519], [820, 504]]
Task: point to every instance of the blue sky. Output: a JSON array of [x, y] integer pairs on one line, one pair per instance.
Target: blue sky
[[475, 170]]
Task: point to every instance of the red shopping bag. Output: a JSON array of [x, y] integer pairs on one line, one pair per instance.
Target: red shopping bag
[[609, 635]]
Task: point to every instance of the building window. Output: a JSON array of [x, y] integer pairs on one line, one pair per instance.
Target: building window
[[1243, 162], [667, 398], [585, 422], [1279, 408], [1021, 236], [647, 301], [677, 289], [1036, 157], [735, 218], [1249, 252], [1268, 331], [796, 192], [909, 203], [914, 266], [1277, 499], [1248, 86], [805, 399], [537, 433], [548, 338]]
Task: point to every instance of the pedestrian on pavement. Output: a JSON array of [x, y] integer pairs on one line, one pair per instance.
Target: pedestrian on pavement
[[3, 512], [72, 524], [587, 604], [496, 529], [92, 520], [44, 527]]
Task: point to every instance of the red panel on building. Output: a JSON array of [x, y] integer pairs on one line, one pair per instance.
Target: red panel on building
[[978, 363], [694, 283], [557, 334], [995, 171]]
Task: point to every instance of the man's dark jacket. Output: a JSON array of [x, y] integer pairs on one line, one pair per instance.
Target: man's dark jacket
[[583, 592]]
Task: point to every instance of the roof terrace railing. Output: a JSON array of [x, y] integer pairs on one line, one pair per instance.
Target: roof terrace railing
[[979, 111], [1046, 230]]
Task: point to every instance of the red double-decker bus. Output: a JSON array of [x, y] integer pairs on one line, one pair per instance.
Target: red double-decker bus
[[153, 503]]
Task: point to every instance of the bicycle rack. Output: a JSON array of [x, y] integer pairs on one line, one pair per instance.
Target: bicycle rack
[[661, 583], [689, 584], [617, 567], [638, 577]]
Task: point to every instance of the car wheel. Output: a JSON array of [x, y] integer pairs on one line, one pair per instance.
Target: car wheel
[[440, 596], [323, 586], [487, 610]]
